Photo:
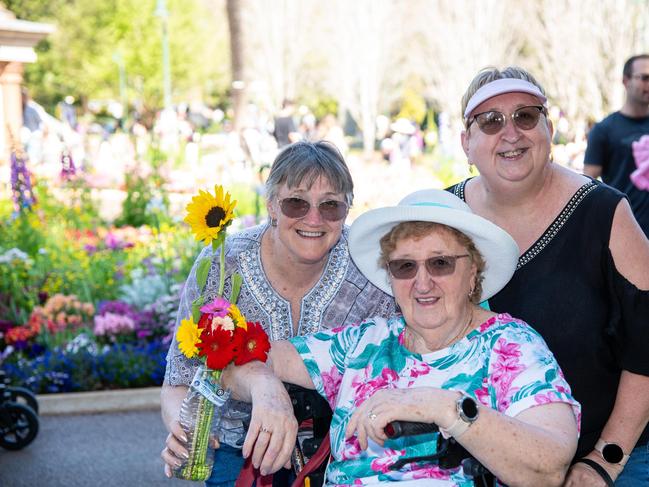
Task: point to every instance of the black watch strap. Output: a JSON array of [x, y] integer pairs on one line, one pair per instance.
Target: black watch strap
[[601, 471]]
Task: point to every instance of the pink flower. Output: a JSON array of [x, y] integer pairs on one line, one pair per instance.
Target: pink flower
[[365, 388], [383, 463], [351, 449], [429, 472], [113, 324], [331, 383], [505, 349], [419, 368], [545, 398], [218, 307]]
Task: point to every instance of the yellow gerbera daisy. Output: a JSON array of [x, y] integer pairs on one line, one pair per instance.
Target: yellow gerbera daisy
[[237, 317], [188, 336], [207, 214]]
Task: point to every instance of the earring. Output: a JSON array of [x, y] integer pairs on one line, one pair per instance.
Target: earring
[[470, 293], [470, 166], [273, 222]]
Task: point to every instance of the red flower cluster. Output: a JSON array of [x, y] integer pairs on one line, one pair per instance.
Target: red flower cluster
[[221, 346]]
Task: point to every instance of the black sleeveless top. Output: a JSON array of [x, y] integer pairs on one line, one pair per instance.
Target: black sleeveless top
[[595, 322]]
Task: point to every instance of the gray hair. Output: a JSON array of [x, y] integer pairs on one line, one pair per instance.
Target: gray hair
[[306, 161], [489, 74]]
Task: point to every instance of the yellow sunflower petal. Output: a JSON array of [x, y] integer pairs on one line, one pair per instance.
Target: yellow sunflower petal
[[237, 317], [208, 214], [188, 337]]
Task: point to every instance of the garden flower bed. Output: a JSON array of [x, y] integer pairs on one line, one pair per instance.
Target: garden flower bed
[[86, 304]]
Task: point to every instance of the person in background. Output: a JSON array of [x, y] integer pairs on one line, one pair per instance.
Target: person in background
[[298, 278], [609, 153], [487, 380], [285, 131], [581, 278]]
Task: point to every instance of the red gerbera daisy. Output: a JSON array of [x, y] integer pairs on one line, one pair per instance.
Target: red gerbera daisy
[[255, 344], [219, 346]]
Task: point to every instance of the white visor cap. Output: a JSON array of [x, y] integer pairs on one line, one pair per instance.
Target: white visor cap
[[499, 87]]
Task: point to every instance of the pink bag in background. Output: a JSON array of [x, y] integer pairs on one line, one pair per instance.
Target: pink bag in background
[[640, 177]]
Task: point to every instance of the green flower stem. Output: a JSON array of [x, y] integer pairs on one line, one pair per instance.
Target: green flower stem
[[222, 269], [198, 465]]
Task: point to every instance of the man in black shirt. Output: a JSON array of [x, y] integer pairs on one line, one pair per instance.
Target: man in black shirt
[[609, 152]]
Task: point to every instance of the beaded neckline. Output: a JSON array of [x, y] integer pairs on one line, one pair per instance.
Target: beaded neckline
[[558, 223]]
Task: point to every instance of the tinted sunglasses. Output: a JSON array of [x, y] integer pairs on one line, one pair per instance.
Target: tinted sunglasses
[[492, 122], [438, 266], [330, 210]]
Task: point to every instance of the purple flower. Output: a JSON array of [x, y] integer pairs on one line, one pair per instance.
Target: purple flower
[[68, 168], [21, 184]]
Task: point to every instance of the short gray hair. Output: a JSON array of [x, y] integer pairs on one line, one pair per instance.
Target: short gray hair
[[306, 161]]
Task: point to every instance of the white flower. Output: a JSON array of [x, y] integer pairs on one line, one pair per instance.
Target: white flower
[[13, 254]]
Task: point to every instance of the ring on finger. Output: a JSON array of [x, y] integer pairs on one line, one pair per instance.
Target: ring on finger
[[266, 430], [371, 415]]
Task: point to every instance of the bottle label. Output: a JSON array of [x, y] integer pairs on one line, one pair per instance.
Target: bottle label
[[209, 387]]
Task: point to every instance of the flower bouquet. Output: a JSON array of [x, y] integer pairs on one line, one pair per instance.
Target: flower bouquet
[[217, 333]]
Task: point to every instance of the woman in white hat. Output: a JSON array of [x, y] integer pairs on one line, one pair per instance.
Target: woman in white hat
[[581, 278], [487, 380]]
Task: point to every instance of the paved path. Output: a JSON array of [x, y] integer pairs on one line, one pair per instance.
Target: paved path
[[120, 449]]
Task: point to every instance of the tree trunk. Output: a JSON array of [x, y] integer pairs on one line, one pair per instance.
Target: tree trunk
[[239, 88]]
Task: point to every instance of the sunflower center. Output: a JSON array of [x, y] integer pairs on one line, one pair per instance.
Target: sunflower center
[[214, 216]]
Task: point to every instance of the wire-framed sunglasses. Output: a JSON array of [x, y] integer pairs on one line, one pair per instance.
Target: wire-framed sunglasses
[[493, 121], [438, 266], [330, 210]]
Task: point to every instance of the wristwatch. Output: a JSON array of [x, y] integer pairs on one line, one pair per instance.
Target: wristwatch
[[467, 414], [611, 452]]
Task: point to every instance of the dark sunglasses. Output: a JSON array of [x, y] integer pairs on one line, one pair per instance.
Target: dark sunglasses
[[492, 122], [330, 210], [438, 266]]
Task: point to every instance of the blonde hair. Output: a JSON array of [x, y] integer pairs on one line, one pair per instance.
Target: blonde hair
[[489, 74]]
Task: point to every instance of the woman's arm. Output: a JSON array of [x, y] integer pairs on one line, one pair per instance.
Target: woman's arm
[[273, 428], [171, 398], [630, 250], [534, 448]]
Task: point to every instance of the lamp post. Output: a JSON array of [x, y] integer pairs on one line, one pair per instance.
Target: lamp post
[[161, 11]]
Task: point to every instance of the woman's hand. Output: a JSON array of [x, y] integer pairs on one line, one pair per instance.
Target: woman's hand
[[175, 452], [273, 429], [387, 405], [582, 474]]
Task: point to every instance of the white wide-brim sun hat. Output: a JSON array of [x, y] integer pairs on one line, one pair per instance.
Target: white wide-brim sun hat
[[497, 247]]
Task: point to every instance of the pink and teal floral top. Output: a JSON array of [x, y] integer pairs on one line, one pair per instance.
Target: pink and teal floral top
[[504, 364]]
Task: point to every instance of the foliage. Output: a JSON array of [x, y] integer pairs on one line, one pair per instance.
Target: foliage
[[413, 105], [145, 201], [81, 56]]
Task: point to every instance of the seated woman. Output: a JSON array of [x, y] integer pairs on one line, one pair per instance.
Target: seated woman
[[486, 379]]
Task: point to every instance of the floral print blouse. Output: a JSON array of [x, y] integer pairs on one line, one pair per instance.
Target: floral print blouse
[[504, 364]]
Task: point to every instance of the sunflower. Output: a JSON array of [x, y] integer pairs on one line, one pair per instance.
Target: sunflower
[[208, 214], [188, 338]]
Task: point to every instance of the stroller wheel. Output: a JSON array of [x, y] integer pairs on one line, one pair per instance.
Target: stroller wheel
[[22, 395], [18, 425]]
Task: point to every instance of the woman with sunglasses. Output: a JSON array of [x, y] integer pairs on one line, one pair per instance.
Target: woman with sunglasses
[[297, 278], [581, 278], [487, 380]]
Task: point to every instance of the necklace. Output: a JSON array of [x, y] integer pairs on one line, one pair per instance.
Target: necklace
[[462, 332]]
